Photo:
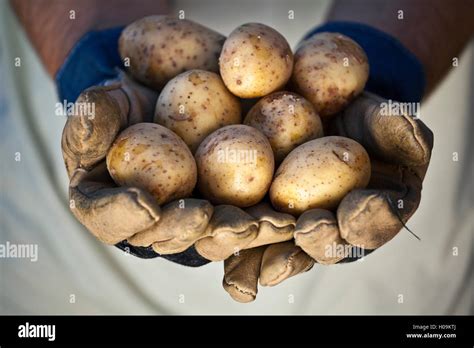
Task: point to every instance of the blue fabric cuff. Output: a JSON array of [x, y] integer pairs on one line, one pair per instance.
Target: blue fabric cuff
[[395, 72], [92, 60]]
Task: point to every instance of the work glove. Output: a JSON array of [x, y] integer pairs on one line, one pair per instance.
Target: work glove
[[114, 214], [399, 148]]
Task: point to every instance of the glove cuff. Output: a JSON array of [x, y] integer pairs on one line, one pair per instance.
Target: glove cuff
[[395, 72], [190, 257], [93, 59]]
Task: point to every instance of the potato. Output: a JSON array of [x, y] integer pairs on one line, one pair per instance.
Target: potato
[[330, 70], [161, 47], [318, 174], [151, 157], [255, 61], [235, 166], [287, 120], [194, 104]]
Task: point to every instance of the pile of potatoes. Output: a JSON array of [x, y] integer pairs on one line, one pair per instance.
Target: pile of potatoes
[[204, 141]]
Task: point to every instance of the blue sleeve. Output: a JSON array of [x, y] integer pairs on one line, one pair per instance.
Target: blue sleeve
[[395, 72], [93, 59]]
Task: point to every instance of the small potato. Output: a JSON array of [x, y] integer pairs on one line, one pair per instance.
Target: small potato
[[161, 47], [287, 120], [196, 103], [151, 157], [235, 166], [330, 70], [255, 61], [318, 174]]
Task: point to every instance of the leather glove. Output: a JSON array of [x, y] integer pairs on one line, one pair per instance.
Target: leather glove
[[110, 213], [188, 231], [400, 150]]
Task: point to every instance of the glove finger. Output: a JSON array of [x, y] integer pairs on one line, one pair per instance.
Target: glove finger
[[273, 226], [403, 186], [241, 273], [110, 213], [142, 100], [230, 230], [99, 114], [317, 233], [369, 218], [281, 261], [181, 224], [366, 218], [395, 139]]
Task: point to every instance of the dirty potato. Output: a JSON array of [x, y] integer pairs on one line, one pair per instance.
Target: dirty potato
[[151, 157], [196, 103], [318, 174], [330, 70], [157, 48], [255, 61], [235, 166], [287, 120]]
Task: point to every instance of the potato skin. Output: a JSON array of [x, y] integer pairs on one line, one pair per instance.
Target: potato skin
[[161, 47], [255, 61], [151, 157], [287, 120], [235, 166], [318, 174], [196, 103], [321, 75]]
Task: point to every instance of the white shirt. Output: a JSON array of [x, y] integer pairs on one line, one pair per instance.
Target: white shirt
[[75, 273]]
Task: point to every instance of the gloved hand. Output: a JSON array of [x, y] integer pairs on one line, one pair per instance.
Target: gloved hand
[[114, 214], [110, 213], [400, 150]]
